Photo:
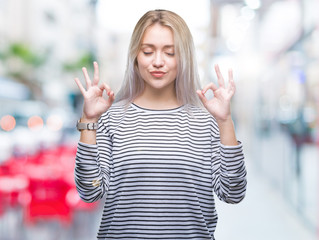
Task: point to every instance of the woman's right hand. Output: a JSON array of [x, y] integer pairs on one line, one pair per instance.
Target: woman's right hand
[[94, 102]]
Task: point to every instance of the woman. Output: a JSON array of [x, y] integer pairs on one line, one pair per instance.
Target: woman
[[162, 149]]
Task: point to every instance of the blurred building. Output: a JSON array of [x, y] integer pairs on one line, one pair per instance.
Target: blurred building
[[273, 46]]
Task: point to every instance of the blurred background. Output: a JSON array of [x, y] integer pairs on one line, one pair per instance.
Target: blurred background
[[272, 47]]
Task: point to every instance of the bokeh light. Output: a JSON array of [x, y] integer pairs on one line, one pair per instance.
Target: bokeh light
[[8, 123], [35, 122], [54, 123]]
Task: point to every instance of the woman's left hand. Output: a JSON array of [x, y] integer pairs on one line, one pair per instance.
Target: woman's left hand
[[219, 105]]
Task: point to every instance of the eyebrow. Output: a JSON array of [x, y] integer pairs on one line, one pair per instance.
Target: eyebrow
[[153, 46]]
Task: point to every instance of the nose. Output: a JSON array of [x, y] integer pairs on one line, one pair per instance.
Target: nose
[[158, 60]]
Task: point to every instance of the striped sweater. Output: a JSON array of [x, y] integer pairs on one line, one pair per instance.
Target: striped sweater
[[159, 170]]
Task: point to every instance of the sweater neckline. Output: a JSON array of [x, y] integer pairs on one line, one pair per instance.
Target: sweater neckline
[[156, 111]]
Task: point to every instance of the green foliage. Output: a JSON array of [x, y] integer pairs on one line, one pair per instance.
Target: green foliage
[[25, 53], [86, 60]]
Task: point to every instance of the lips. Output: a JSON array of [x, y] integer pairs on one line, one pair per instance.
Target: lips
[[158, 74]]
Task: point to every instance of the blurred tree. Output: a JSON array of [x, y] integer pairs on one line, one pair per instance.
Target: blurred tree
[[21, 63], [85, 60]]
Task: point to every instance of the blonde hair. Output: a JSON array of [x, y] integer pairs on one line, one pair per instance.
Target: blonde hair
[[187, 80]]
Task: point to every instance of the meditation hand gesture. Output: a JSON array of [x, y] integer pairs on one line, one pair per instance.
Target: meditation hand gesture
[[94, 102], [219, 105]]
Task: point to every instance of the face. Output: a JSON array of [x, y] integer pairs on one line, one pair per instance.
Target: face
[[156, 60]]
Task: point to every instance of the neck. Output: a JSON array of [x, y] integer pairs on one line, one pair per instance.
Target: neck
[[155, 99]]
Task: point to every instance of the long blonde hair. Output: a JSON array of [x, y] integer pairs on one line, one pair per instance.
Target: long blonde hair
[[187, 80]]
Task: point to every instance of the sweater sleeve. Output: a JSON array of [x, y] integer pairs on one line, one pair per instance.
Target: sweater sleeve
[[92, 166], [228, 171]]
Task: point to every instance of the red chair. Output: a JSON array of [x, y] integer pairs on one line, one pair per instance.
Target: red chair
[[48, 201], [49, 172]]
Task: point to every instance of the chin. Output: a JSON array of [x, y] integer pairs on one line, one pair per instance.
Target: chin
[[159, 86]]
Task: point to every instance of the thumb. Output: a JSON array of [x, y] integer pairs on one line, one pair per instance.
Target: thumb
[[202, 96], [111, 98]]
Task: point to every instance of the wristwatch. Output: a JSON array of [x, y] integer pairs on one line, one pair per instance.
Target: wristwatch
[[86, 126]]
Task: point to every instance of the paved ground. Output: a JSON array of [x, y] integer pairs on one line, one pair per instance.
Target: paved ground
[[263, 215]]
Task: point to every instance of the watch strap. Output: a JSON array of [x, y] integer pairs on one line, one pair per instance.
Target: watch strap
[[86, 126]]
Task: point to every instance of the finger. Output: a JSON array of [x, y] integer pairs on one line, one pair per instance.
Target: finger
[[202, 96], [80, 85], [87, 78], [220, 78], [111, 98], [232, 86], [105, 87], [96, 76], [230, 74], [109, 93], [211, 86]]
